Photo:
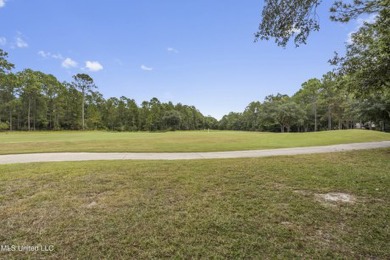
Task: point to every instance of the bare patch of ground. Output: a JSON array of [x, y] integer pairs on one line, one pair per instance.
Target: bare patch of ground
[[330, 198], [92, 204], [336, 197]]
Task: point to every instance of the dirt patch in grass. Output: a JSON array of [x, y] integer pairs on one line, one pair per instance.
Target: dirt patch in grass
[[92, 204], [336, 197], [330, 197]]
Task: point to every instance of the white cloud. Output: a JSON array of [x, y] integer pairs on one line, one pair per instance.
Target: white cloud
[[170, 49], [93, 65], [66, 63], [2, 3], [44, 54], [3, 40], [145, 68], [69, 63], [20, 43], [360, 22]]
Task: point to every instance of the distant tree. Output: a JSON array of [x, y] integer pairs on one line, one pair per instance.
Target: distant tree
[[51, 89], [231, 121], [336, 98], [111, 115], [328, 95], [8, 99], [210, 122], [144, 118], [31, 88], [252, 116], [155, 116], [5, 66], [123, 114], [84, 83], [94, 110], [7, 86], [282, 110], [133, 115], [71, 100], [376, 109], [309, 95], [171, 119]]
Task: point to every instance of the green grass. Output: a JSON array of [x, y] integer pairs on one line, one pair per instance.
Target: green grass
[[242, 208], [191, 141]]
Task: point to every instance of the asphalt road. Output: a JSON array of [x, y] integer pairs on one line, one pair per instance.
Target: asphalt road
[[71, 157]]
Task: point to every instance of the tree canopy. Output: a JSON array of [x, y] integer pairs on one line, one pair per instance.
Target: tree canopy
[[367, 58], [283, 20], [5, 65]]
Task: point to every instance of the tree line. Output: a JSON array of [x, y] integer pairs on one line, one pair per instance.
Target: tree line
[[33, 100], [320, 104]]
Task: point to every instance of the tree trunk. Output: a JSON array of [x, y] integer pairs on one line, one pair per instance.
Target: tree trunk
[[29, 114], [282, 129], [50, 122], [315, 117], [35, 114], [82, 110], [10, 119], [329, 118], [18, 123]]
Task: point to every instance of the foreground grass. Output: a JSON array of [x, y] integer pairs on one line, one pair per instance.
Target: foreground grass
[[244, 208], [190, 141]]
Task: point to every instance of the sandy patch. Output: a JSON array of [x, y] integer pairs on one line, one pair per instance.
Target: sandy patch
[[92, 204], [335, 197]]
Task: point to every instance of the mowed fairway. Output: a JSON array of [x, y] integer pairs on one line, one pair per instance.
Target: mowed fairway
[[239, 208], [190, 141]]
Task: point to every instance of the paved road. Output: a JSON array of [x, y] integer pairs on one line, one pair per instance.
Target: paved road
[[68, 157]]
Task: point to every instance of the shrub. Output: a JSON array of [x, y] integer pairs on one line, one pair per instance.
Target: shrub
[[4, 126]]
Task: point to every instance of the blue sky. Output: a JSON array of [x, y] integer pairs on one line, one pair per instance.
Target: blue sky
[[199, 53]]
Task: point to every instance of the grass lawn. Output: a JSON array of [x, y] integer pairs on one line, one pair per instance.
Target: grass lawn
[[190, 141], [242, 208]]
